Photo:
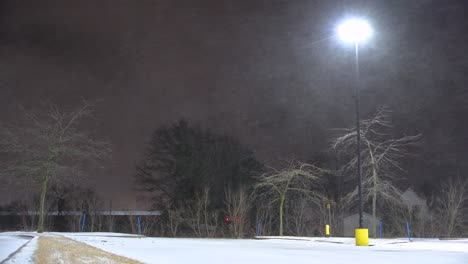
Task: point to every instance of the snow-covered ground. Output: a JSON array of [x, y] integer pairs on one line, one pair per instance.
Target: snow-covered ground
[[10, 243], [270, 250]]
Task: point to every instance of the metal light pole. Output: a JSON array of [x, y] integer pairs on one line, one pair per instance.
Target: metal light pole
[[358, 132], [356, 31], [327, 227]]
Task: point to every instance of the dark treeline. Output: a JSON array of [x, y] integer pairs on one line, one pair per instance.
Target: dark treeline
[[197, 179], [206, 184]]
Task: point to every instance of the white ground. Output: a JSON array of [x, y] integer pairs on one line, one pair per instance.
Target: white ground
[[271, 251], [275, 251], [10, 242]]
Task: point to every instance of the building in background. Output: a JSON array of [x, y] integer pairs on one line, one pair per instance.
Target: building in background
[[351, 222]]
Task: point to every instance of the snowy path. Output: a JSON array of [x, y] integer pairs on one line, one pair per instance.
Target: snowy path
[[10, 243], [342, 250]]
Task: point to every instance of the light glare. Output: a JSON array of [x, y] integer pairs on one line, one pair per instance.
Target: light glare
[[354, 30]]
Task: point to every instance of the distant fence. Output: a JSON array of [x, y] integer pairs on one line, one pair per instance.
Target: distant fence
[[72, 221], [55, 213]]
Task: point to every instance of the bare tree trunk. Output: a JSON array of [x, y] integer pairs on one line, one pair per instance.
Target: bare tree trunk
[[24, 223], [174, 220], [205, 211], [264, 219], [99, 224], [237, 207], [198, 210], [94, 214], [110, 219], [374, 205], [132, 224], [281, 215], [374, 191], [296, 218], [200, 216], [32, 218], [40, 226]]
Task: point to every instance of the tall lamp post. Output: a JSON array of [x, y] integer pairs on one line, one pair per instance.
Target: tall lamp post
[[355, 31]]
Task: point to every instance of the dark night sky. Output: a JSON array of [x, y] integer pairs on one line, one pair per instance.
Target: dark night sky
[[270, 73]]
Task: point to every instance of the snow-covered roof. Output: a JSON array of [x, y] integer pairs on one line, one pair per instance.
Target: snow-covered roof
[[364, 214], [412, 198]]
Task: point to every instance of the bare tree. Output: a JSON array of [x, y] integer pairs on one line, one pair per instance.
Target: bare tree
[[297, 177], [396, 215], [381, 156], [110, 219], [297, 219], [27, 208], [237, 207], [93, 205], [451, 205], [264, 217], [133, 225], [202, 219], [175, 219], [148, 224], [50, 145]]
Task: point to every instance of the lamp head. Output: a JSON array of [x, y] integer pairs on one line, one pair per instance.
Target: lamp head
[[354, 30]]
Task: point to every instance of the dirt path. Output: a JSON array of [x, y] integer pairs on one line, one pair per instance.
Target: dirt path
[[58, 249]]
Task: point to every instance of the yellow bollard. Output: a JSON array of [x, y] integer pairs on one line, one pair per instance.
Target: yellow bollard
[[327, 230], [362, 236]]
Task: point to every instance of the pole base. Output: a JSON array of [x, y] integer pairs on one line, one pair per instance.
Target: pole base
[[327, 230], [362, 237]]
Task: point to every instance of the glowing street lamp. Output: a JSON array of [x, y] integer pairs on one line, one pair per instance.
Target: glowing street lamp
[[356, 31]]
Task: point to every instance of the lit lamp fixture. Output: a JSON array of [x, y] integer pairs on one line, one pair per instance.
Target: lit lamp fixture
[[354, 30]]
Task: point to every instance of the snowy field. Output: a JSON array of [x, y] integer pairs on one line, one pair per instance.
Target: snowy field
[[271, 251]]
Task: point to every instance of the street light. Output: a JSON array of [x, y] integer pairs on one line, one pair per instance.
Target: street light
[[356, 31]]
